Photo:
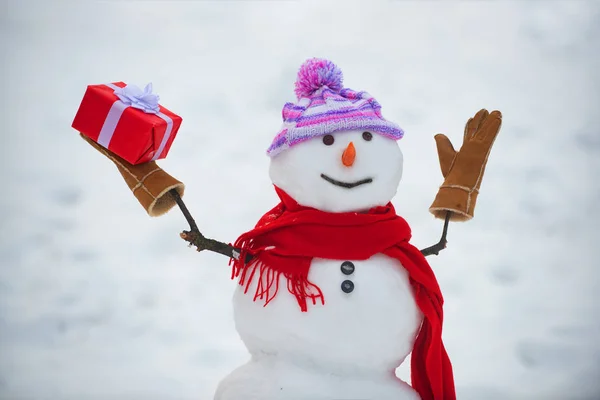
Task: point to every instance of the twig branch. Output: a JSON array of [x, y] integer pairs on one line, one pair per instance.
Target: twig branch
[[441, 245], [194, 237], [184, 210]]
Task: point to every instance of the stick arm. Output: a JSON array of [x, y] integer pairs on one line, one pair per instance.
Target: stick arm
[[441, 245], [195, 237]]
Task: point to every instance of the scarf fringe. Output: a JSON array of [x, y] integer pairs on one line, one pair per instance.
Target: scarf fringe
[[268, 279]]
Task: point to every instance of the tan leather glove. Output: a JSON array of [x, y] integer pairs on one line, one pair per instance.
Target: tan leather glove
[[148, 182], [463, 170]]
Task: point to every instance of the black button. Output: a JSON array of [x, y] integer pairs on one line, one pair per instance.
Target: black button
[[347, 286], [347, 268]]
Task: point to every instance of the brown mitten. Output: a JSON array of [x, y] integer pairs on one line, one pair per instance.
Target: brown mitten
[[148, 182], [463, 170]]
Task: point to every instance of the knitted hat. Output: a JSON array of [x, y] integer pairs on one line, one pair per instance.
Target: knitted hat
[[324, 107]]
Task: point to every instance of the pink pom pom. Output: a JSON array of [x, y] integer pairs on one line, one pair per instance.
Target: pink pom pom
[[316, 73]]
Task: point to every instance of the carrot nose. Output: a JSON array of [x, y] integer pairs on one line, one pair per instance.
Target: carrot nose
[[349, 155]]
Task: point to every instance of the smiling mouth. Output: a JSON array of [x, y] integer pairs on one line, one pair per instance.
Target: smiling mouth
[[347, 185]]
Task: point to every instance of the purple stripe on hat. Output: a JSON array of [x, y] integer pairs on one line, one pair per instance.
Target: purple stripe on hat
[[340, 111], [318, 118], [334, 117], [296, 107], [329, 95], [317, 101]]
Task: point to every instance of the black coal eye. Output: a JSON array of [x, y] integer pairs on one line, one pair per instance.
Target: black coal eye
[[328, 140], [367, 136]]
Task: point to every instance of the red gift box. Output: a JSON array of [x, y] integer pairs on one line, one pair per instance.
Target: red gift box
[[128, 129]]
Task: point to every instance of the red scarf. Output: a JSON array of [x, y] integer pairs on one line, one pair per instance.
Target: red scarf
[[286, 239]]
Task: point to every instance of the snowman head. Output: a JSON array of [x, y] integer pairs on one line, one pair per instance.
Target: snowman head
[[340, 172], [335, 151]]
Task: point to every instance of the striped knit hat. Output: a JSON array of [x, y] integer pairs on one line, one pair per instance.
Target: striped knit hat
[[324, 107]]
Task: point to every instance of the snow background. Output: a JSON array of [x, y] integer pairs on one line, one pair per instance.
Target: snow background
[[99, 301]]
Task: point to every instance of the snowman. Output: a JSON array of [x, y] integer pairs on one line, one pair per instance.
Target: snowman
[[335, 297], [332, 296]]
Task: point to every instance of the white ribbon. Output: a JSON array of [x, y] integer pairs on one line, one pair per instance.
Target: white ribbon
[[132, 96]]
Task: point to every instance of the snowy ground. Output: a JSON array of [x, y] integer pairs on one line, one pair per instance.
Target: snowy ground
[[99, 301]]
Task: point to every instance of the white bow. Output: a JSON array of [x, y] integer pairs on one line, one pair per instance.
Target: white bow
[[144, 100]]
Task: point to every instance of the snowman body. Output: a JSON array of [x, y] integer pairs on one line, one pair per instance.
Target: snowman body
[[348, 348]]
